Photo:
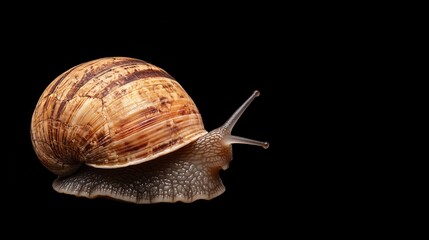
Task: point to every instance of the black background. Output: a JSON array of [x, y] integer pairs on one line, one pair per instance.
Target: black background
[[304, 65]]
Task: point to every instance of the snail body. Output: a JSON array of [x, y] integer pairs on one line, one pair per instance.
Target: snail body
[[125, 129]]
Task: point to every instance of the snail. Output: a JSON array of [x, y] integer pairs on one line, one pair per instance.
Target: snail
[[124, 129]]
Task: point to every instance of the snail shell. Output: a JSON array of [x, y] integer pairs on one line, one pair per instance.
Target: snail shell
[[114, 116], [112, 112]]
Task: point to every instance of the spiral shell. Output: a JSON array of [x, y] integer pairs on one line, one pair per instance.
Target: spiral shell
[[112, 112]]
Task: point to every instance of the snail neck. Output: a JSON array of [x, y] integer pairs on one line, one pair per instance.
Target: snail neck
[[210, 150], [215, 148]]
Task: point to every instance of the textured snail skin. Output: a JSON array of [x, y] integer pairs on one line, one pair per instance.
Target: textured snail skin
[[125, 129], [189, 174]]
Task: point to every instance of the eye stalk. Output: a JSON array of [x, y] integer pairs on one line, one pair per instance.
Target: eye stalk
[[229, 125]]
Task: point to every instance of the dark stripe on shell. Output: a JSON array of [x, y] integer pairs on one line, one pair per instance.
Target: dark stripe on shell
[[99, 71], [138, 75]]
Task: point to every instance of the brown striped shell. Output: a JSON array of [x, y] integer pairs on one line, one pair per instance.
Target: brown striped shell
[[112, 112]]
